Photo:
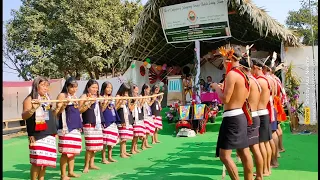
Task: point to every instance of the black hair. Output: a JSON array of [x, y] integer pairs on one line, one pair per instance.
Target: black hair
[[257, 62], [103, 88], [125, 87], [133, 86], [154, 87], [202, 81], [144, 87], [89, 84], [34, 92], [70, 82], [209, 77], [244, 63], [237, 53]]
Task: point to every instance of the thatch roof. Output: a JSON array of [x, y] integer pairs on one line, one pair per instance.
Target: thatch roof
[[248, 25]]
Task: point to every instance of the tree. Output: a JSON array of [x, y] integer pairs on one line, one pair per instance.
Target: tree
[[56, 38], [300, 22]]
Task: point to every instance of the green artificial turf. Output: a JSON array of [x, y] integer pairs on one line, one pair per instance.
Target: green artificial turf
[[174, 158]]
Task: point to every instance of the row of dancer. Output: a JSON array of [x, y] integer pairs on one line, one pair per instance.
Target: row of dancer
[[104, 123], [250, 94]]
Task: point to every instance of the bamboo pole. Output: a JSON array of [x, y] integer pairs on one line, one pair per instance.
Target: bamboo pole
[[94, 99]]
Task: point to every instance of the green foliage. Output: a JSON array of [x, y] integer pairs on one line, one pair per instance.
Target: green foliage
[[299, 21], [292, 83], [56, 38]]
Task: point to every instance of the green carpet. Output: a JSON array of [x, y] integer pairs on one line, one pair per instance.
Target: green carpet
[[173, 158]]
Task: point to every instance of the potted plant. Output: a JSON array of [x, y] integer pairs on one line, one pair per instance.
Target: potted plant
[[295, 108]]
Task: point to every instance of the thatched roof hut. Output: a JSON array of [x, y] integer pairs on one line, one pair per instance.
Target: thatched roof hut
[[248, 23]]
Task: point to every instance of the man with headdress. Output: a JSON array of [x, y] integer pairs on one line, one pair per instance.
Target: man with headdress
[[233, 129], [281, 100], [253, 130], [265, 134], [269, 63]]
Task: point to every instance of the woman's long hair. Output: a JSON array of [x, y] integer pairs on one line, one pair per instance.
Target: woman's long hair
[[34, 91], [133, 86], [103, 88], [70, 82], [145, 86], [89, 84], [153, 89], [125, 87]]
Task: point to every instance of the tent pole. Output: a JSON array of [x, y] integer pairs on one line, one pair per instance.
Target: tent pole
[[197, 84]]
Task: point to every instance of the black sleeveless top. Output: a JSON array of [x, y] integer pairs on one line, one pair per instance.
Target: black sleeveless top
[[51, 130], [89, 117], [154, 110]]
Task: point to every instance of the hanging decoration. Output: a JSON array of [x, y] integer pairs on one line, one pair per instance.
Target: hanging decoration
[[149, 66], [133, 66], [145, 63], [159, 68], [142, 71], [148, 60], [154, 76]]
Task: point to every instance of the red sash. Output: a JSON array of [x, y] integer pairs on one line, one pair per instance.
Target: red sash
[[270, 103], [246, 106]]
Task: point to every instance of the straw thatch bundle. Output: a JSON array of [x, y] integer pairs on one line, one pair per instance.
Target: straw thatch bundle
[[249, 24]]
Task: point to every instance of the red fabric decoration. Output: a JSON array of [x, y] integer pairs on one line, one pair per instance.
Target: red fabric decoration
[[154, 76], [142, 70]]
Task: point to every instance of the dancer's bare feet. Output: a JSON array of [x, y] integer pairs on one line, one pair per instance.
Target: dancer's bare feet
[[94, 167], [274, 165], [158, 142], [124, 156], [104, 161], [73, 175], [153, 143], [279, 155], [148, 146], [264, 174], [137, 151], [65, 178], [127, 154], [112, 160], [133, 152], [85, 170], [282, 150], [143, 148]]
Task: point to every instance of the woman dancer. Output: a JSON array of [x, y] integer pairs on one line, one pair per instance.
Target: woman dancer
[[156, 116], [41, 129], [147, 114], [125, 129], [69, 128], [111, 117], [92, 123], [138, 126]]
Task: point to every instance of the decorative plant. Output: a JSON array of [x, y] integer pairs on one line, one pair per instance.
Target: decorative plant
[[292, 83]]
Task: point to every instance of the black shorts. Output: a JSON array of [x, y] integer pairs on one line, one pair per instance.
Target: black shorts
[[265, 133], [253, 130], [233, 131]]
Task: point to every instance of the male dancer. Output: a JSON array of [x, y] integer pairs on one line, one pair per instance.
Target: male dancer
[[265, 127], [281, 115], [253, 130], [274, 124], [233, 129]]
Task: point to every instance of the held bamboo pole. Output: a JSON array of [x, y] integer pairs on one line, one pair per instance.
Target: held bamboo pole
[[94, 99]]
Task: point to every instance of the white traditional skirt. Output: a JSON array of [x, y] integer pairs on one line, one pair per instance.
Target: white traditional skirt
[[126, 133], [149, 124], [139, 129], [157, 121], [110, 135], [70, 143], [43, 152], [93, 138]]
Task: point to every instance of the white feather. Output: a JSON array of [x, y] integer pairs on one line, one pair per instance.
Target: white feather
[[274, 58], [266, 60]]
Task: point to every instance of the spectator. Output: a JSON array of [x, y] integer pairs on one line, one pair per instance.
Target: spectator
[[223, 77], [209, 81]]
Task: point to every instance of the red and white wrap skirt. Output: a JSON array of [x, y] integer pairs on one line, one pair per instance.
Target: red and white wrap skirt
[[157, 121], [110, 135], [139, 130], [149, 124], [44, 152], [125, 133], [93, 138], [70, 143]]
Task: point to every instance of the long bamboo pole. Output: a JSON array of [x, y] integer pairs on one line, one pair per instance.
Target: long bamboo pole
[[94, 99]]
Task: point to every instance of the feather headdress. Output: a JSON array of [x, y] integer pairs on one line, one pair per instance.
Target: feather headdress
[[228, 52]]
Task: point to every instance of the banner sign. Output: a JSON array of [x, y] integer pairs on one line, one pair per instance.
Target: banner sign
[[197, 20], [184, 112], [199, 111], [307, 115]]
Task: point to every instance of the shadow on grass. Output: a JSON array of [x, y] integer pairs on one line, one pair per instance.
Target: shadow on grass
[[193, 161]]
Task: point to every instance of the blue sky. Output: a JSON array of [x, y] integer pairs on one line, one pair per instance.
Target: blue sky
[[278, 9]]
